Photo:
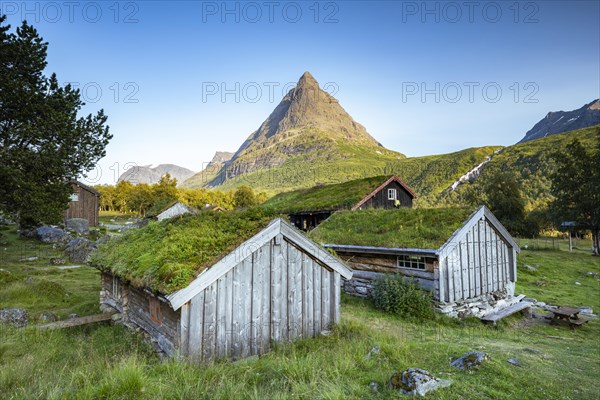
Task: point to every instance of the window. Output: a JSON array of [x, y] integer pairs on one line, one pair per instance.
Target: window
[[74, 197], [116, 288], [154, 307], [392, 194], [413, 262]]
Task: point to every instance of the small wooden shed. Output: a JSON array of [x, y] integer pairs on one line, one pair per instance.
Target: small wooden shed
[[275, 286], [84, 203], [307, 208], [468, 262]]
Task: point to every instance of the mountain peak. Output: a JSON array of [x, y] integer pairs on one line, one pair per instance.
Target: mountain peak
[[565, 121], [307, 80]]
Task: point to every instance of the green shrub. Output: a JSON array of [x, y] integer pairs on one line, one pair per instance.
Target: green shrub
[[398, 295]]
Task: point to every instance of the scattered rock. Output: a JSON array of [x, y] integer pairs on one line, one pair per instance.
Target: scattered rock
[[103, 239], [373, 352], [16, 317], [51, 234], [325, 333], [416, 382], [29, 279], [586, 310], [530, 300], [533, 351], [577, 283], [529, 268], [470, 360], [593, 274], [117, 317], [78, 225], [374, 386], [48, 317], [106, 308], [514, 362], [28, 259], [73, 315], [79, 250], [57, 261]]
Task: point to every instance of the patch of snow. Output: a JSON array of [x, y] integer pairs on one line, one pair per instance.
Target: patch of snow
[[573, 119], [471, 175], [558, 119]]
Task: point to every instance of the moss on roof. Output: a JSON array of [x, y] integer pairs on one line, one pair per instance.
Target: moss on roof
[[327, 197], [419, 228], [166, 256]]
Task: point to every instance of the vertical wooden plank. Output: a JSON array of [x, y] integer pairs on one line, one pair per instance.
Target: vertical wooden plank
[[294, 293], [488, 257], [283, 300], [184, 329], [317, 296], [464, 268], [308, 309], [492, 256], [326, 299], [481, 258], [468, 257], [264, 256], [473, 259], [458, 290], [257, 288], [335, 290], [450, 278], [210, 311], [513, 261], [246, 309], [223, 312], [276, 288], [196, 329], [440, 281], [229, 332], [236, 340]]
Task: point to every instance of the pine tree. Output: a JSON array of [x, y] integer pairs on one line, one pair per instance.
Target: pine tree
[[43, 141]]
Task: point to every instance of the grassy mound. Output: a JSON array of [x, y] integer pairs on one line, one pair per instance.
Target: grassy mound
[[166, 256]]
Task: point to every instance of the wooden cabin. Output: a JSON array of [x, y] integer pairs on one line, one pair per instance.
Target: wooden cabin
[[174, 210], [307, 208], [275, 286], [468, 262], [84, 203]]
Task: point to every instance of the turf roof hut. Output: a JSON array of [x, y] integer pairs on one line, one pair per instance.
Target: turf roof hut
[[222, 284], [174, 210], [307, 208], [467, 260]]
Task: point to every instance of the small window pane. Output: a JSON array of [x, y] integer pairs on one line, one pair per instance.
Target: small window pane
[[391, 194]]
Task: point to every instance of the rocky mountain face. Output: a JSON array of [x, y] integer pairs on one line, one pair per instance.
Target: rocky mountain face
[[209, 171], [307, 127], [146, 174], [565, 121]]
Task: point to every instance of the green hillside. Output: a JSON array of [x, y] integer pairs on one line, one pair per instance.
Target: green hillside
[[428, 176], [531, 163]]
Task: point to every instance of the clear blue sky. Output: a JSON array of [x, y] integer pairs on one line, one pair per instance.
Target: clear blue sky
[[422, 77]]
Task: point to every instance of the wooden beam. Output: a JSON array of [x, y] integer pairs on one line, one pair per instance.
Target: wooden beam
[[78, 321]]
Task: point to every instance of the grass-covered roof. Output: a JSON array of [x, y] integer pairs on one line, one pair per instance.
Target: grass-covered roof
[[166, 256], [327, 197], [418, 228]]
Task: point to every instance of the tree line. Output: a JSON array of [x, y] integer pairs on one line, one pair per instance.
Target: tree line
[[145, 199]]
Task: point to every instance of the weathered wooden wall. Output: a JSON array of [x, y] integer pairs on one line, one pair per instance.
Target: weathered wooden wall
[[134, 304], [480, 263], [370, 267], [87, 206], [277, 293]]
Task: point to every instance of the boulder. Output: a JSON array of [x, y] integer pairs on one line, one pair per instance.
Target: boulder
[[51, 234], [416, 382], [78, 225], [469, 360], [79, 250], [16, 317], [57, 261], [72, 316], [48, 317], [529, 268]]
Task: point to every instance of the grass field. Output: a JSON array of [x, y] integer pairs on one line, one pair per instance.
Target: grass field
[[110, 362]]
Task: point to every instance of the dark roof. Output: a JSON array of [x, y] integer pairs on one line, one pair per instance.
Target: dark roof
[[332, 197], [86, 187]]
